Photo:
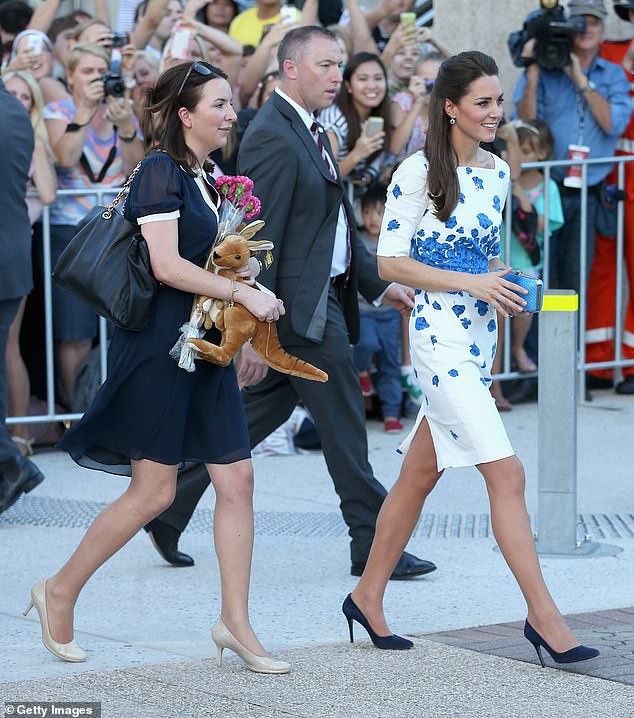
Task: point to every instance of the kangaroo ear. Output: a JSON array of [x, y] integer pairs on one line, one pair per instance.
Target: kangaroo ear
[[251, 229], [260, 245]]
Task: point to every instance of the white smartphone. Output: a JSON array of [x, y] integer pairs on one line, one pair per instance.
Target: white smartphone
[[35, 44], [288, 13], [373, 126], [180, 43]]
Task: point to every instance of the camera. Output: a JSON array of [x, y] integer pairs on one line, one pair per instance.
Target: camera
[[112, 85], [119, 39], [552, 33]]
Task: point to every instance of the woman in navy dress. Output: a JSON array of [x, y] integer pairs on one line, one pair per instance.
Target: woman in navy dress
[[150, 416], [440, 235]]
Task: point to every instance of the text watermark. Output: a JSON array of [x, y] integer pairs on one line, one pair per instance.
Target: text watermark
[[48, 709]]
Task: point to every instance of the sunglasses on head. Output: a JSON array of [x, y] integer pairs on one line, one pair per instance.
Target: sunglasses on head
[[202, 68]]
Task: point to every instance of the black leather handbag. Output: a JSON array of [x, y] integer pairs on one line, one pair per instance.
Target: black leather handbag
[[107, 265]]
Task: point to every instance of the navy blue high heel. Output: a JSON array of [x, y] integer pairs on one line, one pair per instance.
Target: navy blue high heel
[[352, 613], [578, 653]]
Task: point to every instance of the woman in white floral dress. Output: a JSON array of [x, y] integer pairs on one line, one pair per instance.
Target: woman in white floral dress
[[440, 235]]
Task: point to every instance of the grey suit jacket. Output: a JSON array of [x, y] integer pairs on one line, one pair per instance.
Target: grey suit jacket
[[16, 276], [300, 205]]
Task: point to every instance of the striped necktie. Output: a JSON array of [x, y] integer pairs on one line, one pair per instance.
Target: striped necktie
[[316, 130]]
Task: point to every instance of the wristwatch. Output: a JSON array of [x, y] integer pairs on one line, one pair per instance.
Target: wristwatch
[[589, 87], [74, 127]]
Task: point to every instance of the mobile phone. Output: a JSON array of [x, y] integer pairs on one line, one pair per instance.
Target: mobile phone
[[266, 29], [288, 14], [408, 19], [35, 44], [180, 43], [373, 126], [119, 39]]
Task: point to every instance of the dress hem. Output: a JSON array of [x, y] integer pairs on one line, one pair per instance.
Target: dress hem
[[125, 469]]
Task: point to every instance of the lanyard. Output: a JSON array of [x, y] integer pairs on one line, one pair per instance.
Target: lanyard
[[83, 161], [582, 106]]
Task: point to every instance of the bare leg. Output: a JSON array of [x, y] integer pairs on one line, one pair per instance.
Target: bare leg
[[233, 540], [521, 325], [72, 355], [150, 492], [17, 376], [395, 524], [405, 354], [501, 402], [509, 518]]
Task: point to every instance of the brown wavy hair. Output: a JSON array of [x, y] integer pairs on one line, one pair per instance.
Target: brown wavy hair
[[160, 118], [454, 79]]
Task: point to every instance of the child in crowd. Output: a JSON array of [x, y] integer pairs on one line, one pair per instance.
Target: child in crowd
[[380, 337], [527, 249], [526, 141], [408, 109]]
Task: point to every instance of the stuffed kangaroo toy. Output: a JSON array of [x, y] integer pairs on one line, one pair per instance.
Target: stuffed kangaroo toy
[[236, 323]]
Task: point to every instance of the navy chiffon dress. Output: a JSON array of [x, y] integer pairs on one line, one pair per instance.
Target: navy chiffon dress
[[149, 408]]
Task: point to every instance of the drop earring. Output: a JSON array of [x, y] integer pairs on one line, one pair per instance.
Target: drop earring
[[452, 120]]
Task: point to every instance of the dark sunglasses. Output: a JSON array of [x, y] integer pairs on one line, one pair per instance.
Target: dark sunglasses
[[201, 68], [429, 86]]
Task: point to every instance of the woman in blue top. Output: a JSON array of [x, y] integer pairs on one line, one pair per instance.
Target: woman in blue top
[[440, 235], [150, 416]]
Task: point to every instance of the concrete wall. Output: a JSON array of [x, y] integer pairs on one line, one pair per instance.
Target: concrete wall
[[485, 25]]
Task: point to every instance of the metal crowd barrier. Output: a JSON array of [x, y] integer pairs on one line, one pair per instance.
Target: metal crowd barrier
[[49, 341], [546, 167], [506, 372]]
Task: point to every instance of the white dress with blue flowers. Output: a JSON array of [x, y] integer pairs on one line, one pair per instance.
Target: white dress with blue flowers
[[452, 334]]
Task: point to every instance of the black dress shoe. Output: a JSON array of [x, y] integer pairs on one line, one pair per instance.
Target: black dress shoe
[[165, 540], [626, 386], [18, 476], [408, 566]]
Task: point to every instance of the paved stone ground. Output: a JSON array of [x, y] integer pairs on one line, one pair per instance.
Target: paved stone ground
[[612, 632]]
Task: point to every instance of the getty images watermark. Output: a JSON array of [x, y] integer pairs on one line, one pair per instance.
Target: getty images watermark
[[47, 709]]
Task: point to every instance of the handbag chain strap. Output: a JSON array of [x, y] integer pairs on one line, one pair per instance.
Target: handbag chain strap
[[107, 214]]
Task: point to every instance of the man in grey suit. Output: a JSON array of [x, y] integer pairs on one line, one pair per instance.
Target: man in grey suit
[[319, 266], [17, 473]]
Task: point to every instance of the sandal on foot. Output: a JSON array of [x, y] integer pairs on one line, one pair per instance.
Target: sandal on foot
[[526, 366], [502, 403], [25, 445]]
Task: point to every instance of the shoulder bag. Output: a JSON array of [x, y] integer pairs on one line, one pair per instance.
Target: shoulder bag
[[107, 265]]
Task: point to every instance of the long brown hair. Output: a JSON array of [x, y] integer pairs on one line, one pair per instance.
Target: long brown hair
[[160, 118], [349, 111], [454, 79]]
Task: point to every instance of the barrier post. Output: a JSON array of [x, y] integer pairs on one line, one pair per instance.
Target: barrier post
[[557, 431]]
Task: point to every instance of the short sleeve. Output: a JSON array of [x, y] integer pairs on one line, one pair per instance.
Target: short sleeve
[[155, 194], [555, 209], [406, 201], [333, 120], [404, 100], [58, 111]]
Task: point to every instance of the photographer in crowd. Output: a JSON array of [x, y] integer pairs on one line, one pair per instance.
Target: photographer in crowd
[[585, 102], [96, 145]]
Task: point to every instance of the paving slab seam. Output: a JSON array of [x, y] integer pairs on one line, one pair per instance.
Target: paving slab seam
[[605, 630]]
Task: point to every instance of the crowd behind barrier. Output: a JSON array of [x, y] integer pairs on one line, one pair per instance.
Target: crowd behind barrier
[[506, 374], [379, 115]]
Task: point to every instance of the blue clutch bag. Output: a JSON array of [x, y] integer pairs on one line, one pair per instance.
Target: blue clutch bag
[[535, 287]]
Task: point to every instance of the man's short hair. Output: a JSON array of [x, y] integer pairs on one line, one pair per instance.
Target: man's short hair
[[15, 15], [60, 25], [294, 43]]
